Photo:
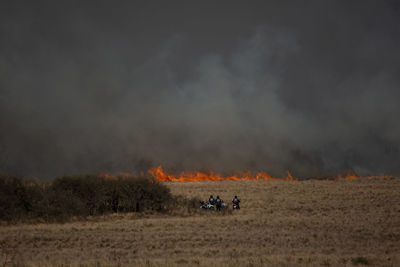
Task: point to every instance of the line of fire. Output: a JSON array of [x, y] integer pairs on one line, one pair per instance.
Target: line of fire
[[162, 176]]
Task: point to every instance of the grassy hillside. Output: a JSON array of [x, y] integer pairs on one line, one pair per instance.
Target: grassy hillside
[[309, 223]]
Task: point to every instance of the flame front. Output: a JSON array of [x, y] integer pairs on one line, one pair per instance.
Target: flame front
[[160, 175]]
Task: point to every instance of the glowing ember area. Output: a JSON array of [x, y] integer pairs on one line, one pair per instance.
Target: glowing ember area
[[349, 176], [107, 176]]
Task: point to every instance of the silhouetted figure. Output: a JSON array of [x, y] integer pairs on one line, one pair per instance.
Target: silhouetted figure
[[218, 202], [236, 202], [211, 200]]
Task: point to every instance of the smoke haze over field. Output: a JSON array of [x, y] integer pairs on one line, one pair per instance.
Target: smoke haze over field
[[307, 86]]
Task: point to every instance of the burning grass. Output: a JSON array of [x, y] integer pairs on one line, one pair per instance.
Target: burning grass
[[306, 223], [162, 176]]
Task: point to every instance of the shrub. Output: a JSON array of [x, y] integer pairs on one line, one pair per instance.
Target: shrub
[[80, 195], [87, 194], [14, 200], [137, 194]]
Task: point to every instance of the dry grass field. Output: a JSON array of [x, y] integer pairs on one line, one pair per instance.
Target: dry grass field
[[307, 223]]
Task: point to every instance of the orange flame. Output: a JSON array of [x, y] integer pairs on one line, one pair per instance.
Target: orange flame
[[349, 176], [160, 175]]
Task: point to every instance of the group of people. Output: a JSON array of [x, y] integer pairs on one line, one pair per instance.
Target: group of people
[[219, 203]]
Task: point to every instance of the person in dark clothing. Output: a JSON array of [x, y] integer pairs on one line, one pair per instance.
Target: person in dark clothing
[[211, 200], [218, 202], [236, 202]]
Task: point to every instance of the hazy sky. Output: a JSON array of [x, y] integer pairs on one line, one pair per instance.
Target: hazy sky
[[307, 86]]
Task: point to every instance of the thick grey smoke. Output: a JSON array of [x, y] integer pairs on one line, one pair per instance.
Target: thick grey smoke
[[307, 86]]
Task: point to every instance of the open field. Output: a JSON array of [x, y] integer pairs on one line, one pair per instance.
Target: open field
[[280, 224]]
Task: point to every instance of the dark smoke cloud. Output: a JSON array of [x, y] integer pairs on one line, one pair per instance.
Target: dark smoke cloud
[[307, 86]]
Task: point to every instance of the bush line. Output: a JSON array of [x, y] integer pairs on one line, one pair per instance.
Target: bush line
[[81, 196]]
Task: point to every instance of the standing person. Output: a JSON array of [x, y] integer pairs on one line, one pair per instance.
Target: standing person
[[219, 203], [236, 202], [211, 200]]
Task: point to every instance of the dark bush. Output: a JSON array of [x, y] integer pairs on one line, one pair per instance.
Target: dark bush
[[87, 194], [79, 195], [140, 194], [14, 200]]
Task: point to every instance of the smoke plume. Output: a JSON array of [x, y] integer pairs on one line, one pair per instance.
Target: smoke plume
[[308, 86]]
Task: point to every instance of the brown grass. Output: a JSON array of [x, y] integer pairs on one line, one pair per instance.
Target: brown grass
[[309, 223]]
